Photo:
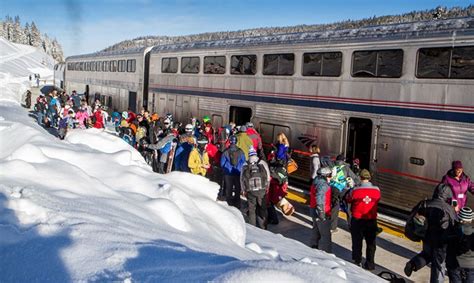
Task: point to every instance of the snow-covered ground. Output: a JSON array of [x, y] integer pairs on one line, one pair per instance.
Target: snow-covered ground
[[89, 209]]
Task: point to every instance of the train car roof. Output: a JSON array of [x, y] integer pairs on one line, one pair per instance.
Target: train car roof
[[401, 31], [139, 50]]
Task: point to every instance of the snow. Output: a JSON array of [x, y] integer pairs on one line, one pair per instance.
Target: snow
[[90, 209]]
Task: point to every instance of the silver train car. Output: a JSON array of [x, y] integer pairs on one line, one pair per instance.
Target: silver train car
[[400, 98], [118, 79], [59, 71]]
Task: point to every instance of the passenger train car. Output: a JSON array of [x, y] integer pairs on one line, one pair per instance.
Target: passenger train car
[[399, 97], [59, 71], [118, 79]]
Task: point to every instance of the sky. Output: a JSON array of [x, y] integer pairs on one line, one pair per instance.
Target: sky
[[85, 26]]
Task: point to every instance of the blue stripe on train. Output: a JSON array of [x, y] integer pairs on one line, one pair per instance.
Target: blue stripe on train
[[397, 111]]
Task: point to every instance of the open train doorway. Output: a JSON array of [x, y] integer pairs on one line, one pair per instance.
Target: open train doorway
[[132, 101], [240, 115], [359, 141], [86, 94]]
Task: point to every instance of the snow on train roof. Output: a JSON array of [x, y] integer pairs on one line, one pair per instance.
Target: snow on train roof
[[433, 28], [139, 50]]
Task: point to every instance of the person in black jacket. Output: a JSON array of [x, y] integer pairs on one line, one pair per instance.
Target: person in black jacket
[[460, 259], [441, 218]]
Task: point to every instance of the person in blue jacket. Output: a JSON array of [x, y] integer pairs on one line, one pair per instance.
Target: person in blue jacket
[[232, 161]]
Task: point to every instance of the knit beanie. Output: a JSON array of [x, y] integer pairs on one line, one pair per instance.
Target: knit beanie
[[466, 214]]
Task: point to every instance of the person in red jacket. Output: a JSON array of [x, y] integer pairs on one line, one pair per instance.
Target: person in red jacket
[[364, 200], [256, 139], [99, 119], [320, 210]]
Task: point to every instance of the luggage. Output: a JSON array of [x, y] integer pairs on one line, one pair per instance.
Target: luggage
[[286, 207], [292, 166], [417, 224]]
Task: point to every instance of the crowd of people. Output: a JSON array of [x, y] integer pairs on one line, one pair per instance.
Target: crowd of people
[[233, 156]]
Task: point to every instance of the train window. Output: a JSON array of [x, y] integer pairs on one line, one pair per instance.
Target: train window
[[278, 64], [131, 65], [121, 65], [378, 63], [462, 63], [326, 64], [243, 65], [113, 66], [433, 62], [190, 65], [169, 65], [269, 132], [214, 65]]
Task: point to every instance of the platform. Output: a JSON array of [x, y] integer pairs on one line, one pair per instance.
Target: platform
[[393, 249]]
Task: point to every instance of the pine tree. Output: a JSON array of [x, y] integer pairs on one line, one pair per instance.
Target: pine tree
[[3, 32], [35, 36], [8, 27], [27, 34]]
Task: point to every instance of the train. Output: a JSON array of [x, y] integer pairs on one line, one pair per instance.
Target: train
[[399, 97]]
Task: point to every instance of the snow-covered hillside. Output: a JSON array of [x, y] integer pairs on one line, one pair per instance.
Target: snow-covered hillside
[[17, 63], [89, 208]]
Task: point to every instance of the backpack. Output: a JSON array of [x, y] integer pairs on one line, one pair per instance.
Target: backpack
[[39, 107], [255, 174], [326, 161], [417, 225], [234, 156], [339, 180]]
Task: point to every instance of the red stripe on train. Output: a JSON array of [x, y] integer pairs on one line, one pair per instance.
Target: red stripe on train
[[394, 172]]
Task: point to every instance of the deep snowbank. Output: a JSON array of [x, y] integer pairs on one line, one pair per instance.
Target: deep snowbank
[[89, 208]]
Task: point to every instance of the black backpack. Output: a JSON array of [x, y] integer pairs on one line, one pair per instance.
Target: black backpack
[[256, 176], [39, 107], [417, 225]]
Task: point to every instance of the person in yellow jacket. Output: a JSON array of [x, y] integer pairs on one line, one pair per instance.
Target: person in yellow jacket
[[244, 142], [198, 161]]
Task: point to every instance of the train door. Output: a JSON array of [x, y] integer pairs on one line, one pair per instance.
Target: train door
[[359, 141], [240, 115], [132, 101], [171, 104], [86, 94]]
